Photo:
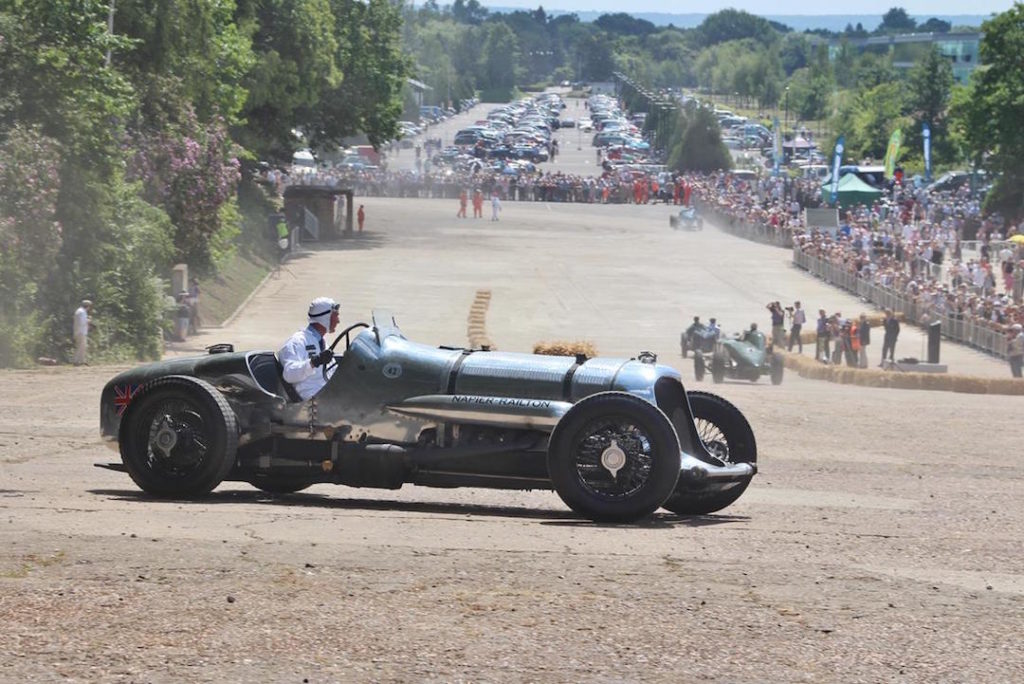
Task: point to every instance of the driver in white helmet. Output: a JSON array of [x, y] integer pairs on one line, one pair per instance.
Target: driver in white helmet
[[304, 357]]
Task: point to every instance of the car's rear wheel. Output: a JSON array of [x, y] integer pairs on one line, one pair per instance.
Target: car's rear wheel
[[614, 457], [727, 436], [717, 368], [699, 366], [178, 437]]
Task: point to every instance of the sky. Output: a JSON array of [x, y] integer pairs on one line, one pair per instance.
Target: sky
[[778, 7]]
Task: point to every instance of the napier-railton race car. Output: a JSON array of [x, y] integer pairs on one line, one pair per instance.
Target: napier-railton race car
[[744, 356], [686, 219], [615, 438]]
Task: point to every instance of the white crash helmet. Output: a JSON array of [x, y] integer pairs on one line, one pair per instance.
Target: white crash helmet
[[320, 310]]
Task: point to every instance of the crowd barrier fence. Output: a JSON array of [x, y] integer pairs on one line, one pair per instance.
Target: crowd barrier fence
[[981, 335]]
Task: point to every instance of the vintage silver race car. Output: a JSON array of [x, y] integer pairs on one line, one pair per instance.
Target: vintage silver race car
[[615, 438]]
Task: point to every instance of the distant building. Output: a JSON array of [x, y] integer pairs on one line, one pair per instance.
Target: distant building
[[908, 48]]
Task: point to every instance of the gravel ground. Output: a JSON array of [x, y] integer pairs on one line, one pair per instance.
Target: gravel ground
[[880, 542]]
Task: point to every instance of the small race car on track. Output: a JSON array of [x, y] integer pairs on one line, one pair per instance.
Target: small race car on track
[[698, 338], [615, 438], [744, 357], [686, 219]]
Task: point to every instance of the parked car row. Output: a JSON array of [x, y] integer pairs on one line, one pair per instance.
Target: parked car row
[[613, 128], [517, 131]]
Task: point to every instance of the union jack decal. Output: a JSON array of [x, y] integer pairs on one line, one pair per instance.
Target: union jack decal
[[123, 396]]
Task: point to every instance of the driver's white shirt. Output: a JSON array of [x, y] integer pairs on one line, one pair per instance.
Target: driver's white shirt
[[297, 371]]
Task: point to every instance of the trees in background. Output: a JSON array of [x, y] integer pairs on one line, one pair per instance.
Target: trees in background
[[119, 152], [988, 113]]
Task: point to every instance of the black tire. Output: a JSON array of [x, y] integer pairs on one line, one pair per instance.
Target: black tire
[[727, 436], [203, 430], [717, 368], [280, 484], [778, 369], [699, 366], [683, 344], [613, 425]]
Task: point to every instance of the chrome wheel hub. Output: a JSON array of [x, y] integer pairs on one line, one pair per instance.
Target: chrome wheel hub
[[613, 458]]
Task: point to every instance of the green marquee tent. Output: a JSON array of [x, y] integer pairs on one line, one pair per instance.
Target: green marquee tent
[[852, 190]]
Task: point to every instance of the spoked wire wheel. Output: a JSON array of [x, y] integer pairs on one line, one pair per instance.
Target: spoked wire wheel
[[614, 457], [726, 436], [178, 437]]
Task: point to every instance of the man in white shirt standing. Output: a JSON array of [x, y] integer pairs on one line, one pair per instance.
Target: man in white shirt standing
[[80, 329], [797, 318], [495, 206], [304, 357]]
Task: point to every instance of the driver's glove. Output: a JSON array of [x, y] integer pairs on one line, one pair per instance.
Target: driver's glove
[[324, 357]]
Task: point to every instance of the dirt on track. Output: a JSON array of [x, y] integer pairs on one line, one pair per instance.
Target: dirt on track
[[880, 542]]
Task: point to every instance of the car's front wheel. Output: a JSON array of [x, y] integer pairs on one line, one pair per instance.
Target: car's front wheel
[[178, 437], [699, 367], [614, 457], [727, 436]]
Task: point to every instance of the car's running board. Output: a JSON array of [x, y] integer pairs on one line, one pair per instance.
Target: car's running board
[[119, 467]]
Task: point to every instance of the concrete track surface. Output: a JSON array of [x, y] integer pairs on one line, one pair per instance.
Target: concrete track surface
[[880, 542]]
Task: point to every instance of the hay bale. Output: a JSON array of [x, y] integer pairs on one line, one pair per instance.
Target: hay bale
[[969, 385], [869, 378], [566, 348], [845, 375], [905, 380], [1011, 386], [936, 382]]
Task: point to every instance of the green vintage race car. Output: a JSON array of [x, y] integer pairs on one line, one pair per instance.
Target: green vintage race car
[[745, 356], [616, 438]]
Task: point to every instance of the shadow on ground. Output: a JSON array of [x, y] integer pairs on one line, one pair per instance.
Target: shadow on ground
[[545, 516]]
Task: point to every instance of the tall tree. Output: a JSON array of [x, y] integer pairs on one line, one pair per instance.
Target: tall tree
[[930, 87], [896, 20], [370, 56], [730, 24], [296, 62], [990, 113], [700, 148], [500, 60]]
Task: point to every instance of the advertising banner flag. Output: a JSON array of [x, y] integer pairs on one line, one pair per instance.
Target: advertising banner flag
[[926, 135], [777, 146], [837, 160], [892, 152]]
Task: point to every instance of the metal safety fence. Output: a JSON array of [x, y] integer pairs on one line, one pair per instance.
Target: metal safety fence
[[749, 230], [963, 328]]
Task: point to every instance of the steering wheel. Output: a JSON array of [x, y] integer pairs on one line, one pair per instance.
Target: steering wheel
[[348, 342], [345, 333]]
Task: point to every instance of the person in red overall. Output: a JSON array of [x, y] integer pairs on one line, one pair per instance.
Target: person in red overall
[[463, 201]]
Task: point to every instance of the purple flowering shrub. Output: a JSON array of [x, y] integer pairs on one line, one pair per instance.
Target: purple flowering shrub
[[191, 171]]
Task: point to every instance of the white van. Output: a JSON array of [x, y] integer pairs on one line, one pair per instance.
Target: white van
[[303, 162], [817, 172]]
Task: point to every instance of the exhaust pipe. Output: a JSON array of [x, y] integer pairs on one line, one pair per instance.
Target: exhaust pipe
[[696, 470]]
